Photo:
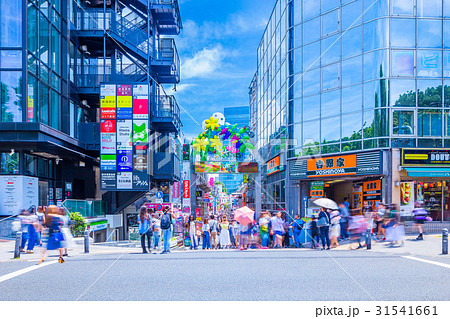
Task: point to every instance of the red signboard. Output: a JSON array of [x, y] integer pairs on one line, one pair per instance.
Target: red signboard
[[186, 189], [108, 126]]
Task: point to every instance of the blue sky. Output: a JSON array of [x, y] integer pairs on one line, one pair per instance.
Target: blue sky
[[217, 48]]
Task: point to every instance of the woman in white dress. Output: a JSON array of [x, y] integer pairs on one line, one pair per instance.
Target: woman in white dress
[[224, 237], [335, 229]]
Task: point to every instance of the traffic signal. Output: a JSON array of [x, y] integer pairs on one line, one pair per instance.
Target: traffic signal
[[186, 152]]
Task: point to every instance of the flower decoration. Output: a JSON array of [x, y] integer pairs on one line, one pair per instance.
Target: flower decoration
[[200, 144], [215, 143], [212, 123]]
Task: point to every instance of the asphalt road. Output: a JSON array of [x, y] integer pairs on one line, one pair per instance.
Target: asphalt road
[[231, 275]]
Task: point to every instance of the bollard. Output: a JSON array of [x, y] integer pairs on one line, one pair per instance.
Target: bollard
[[86, 242], [368, 239], [18, 244], [445, 241]]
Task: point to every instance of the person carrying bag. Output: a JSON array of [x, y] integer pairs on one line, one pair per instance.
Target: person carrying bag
[[324, 225]]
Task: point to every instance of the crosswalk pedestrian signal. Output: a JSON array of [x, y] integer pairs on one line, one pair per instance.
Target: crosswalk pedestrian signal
[[186, 152]]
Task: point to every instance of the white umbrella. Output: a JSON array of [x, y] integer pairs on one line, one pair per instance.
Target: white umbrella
[[326, 203]]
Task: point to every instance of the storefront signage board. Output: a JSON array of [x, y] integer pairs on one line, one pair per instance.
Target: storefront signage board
[[369, 163], [425, 157]]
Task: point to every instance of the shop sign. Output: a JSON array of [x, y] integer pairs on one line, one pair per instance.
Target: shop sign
[[176, 190], [124, 180], [98, 225], [425, 157], [124, 102], [140, 133], [124, 161], [124, 128], [316, 189], [58, 193], [108, 162], [274, 165], [342, 165], [18, 192], [140, 158], [186, 189], [406, 198], [141, 181], [107, 101], [108, 180], [372, 190]]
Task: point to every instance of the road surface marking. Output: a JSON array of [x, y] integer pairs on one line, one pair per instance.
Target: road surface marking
[[428, 261], [25, 270]]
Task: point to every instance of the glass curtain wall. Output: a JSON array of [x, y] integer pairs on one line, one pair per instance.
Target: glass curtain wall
[[11, 102], [365, 74], [45, 42]]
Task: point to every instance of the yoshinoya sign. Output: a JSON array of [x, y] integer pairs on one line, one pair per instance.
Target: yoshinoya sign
[[425, 157], [369, 163]]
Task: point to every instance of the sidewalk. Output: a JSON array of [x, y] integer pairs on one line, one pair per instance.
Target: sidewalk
[[7, 250], [431, 246]]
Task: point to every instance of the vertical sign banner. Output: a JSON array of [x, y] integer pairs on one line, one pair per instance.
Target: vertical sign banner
[[124, 129], [30, 104], [124, 102], [176, 190], [406, 198], [186, 189], [108, 137], [107, 101], [140, 102]]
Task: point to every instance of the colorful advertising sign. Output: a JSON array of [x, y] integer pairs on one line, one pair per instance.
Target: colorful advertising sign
[[425, 157], [372, 192], [107, 162], [186, 189], [124, 161], [124, 128], [140, 131], [140, 181], [176, 190], [123, 142], [273, 166], [140, 157], [107, 101], [226, 167], [406, 198], [124, 102], [316, 189], [108, 180], [140, 102], [124, 180]]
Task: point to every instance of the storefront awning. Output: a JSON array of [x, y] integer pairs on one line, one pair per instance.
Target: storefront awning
[[428, 171]]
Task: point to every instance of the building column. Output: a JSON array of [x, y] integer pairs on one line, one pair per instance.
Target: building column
[[395, 176]]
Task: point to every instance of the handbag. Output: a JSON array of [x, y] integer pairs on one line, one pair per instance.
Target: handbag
[[58, 236]]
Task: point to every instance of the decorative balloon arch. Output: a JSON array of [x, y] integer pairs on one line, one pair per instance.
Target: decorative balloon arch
[[215, 132]]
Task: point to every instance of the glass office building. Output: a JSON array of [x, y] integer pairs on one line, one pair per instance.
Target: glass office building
[[362, 78], [54, 55]]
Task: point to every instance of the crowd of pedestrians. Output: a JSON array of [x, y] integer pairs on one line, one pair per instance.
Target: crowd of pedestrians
[[325, 230], [46, 227]]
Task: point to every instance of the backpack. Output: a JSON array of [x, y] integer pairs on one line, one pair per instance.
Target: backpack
[[298, 224], [165, 221]]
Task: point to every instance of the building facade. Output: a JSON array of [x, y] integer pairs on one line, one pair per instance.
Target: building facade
[[343, 87], [54, 57]]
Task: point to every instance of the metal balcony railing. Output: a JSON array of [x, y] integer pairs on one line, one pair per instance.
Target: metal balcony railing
[[94, 19], [164, 4], [168, 54], [167, 106], [93, 75]]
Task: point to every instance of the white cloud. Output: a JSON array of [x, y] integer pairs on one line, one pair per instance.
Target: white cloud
[[203, 63]]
